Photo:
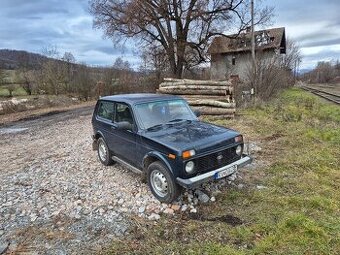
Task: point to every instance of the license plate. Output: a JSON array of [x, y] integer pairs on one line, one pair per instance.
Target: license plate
[[226, 172]]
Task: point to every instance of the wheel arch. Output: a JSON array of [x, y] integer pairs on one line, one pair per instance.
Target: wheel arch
[[98, 135], [154, 156], [95, 138]]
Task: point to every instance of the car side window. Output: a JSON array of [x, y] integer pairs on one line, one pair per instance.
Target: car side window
[[123, 113], [106, 110]]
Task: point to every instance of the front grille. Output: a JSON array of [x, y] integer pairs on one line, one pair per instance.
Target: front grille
[[216, 160]]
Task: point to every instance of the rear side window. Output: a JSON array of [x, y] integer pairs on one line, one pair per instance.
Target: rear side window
[[123, 113], [106, 110]]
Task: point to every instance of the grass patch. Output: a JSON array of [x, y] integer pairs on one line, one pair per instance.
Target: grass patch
[[298, 212], [18, 91]]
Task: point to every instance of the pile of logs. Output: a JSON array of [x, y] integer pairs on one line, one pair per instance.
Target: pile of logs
[[209, 97]]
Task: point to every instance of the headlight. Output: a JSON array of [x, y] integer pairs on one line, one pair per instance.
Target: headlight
[[190, 167], [239, 150]]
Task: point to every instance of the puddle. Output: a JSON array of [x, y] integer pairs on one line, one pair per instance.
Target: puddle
[[12, 130]]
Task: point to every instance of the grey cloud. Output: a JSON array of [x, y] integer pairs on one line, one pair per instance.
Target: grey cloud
[[310, 60], [321, 42], [33, 24], [326, 53], [106, 49]]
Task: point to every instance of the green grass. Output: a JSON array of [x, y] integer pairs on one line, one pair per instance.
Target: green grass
[[298, 212], [18, 91]]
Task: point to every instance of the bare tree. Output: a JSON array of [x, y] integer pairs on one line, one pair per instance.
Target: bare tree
[[292, 59], [2, 76], [154, 60], [24, 72], [84, 82], [325, 72], [69, 64], [274, 73], [122, 73], [54, 73], [6, 84], [270, 77], [183, 28]]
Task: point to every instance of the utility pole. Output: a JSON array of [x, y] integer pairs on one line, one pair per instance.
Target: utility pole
[[253, 45]]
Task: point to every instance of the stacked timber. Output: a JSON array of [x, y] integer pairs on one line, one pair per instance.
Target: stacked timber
[[207, 96]]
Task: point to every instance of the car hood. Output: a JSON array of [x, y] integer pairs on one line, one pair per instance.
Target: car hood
[[197, 135]]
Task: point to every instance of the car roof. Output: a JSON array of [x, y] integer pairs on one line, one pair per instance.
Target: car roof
[[139, 98]]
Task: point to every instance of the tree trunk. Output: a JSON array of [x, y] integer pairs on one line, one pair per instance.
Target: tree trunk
[[214, 111], [206, 102], [199, 87], [194, 92], [172, 81], [212, 97]]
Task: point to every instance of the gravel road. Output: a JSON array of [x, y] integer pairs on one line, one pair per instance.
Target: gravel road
[[55, 196]]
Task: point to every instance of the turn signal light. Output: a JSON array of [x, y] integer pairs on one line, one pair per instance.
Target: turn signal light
[[171, 156], [188, 154]]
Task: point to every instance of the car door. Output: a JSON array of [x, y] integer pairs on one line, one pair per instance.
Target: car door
[[104, 118], [124, 141]]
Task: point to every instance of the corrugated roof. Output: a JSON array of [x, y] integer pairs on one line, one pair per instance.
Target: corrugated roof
[[273, 38]]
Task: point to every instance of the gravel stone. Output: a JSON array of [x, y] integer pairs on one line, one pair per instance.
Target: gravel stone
[[3, 246], [154, 216], [184, 208], [175, 207], [232, 177], [202, 197], [168, 211], [193, 210], [240, 186], [141, 209]]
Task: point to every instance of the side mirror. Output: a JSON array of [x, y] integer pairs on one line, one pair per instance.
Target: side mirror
[[124, 125], [197, 113]]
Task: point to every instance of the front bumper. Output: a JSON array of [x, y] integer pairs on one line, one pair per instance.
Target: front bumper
[[199, 179]]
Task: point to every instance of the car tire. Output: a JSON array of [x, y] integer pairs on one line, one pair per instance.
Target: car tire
[[104, 154], [162, 183]]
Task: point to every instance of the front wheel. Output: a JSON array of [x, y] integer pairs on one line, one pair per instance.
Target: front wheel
[[161, 183], [104, 153]]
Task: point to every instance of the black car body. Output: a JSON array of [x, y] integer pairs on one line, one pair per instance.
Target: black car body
[[160, 137]]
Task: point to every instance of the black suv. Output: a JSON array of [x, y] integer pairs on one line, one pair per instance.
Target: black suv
[[160, 137]]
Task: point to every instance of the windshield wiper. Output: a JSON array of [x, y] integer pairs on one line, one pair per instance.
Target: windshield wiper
[[155, 127], [179, 120], [169, 123], [176, 120]]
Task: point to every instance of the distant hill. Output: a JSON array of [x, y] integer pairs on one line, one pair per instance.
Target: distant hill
[[13, 59]]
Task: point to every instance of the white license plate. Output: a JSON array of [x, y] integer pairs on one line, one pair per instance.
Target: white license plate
[[226, 172]]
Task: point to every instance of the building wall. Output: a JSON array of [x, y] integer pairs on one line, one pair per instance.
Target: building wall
[[223, 65]]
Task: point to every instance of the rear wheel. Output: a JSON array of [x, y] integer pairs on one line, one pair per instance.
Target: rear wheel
[[161, 183], [104, 153]]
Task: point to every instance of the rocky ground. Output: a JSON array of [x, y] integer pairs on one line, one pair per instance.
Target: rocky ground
[[56, 198]]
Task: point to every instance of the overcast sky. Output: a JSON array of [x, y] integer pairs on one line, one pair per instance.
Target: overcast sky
[[32, 25]]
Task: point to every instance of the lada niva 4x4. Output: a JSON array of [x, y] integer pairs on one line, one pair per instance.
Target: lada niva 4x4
[[160, 137]]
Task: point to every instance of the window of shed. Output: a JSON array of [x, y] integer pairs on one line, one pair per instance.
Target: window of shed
[[233, 60]]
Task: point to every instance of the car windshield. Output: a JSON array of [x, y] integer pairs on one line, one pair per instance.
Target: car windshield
[[154, 114]]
